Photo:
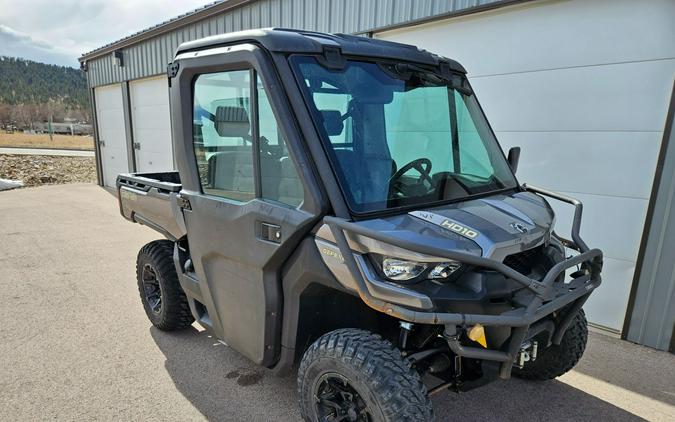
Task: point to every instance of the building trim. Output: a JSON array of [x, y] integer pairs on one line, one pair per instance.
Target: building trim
[[128, 126], [443, 16], [650, 215], [97, 146]]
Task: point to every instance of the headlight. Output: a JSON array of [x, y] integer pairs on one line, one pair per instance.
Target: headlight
[[444, 269], [400, 270], [396, 269]]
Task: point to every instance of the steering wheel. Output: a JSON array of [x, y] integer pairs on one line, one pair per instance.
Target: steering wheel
[[422, 165]]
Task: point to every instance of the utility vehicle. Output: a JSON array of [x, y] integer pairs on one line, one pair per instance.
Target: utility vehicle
[[342, 207]]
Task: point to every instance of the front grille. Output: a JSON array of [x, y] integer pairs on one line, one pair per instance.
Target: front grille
[[524, 262]]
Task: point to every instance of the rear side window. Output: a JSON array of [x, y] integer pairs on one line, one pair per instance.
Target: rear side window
[[232, 129]]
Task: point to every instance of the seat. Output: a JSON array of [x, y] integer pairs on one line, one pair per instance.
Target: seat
[[367, 176], [232, 121], [270, 172], [232, 173], [291, 191]]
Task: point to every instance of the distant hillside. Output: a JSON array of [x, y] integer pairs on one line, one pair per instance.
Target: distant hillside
[[29, 82], [35, 92]]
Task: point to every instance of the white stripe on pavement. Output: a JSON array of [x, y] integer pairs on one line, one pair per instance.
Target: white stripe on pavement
[[41, 151]]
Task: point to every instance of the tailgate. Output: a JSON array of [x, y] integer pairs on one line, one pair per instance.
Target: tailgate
[[151, 199]]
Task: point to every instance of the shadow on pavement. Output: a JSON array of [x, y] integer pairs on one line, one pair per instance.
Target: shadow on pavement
[[223, 385], [640, 369], [518, 400]]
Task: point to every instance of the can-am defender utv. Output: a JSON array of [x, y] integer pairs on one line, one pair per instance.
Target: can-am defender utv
[[341, 203]]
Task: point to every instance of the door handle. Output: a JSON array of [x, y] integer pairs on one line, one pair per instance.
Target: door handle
[[270, 232]]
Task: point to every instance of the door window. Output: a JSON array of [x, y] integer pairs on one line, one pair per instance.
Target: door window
[[222, 134], [224, 127], [279, 177]]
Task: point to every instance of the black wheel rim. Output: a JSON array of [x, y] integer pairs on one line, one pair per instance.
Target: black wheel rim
[[151, 288], [336, 400]]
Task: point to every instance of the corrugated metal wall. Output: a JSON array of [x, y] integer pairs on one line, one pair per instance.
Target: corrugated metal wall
[[149, 58], [653, 318]]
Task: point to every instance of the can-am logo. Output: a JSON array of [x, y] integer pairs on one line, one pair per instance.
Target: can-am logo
[[459, 229], [517, 226]]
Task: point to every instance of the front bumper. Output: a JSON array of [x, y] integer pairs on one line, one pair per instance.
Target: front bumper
[[544, 296]]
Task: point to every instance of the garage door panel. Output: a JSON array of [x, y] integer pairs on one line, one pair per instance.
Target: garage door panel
[[153, 117], [613, 224], [110, 121], [550, 35], [607, 306], [621, 163], [151, 124], [626, 97], [155, 161], [155, 147], [146, 90]]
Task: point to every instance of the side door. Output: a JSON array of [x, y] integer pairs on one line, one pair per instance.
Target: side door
[[249, 207]]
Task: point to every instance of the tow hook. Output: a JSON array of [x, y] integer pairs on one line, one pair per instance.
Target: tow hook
[[527, 353]]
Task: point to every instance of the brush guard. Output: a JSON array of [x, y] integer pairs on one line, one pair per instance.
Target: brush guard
[[547, 296]]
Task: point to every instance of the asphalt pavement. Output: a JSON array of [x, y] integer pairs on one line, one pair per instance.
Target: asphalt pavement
[[75, 343]]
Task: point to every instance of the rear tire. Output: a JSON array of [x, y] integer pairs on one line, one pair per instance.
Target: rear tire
[[163, 299], [559, 359], [357, 375]]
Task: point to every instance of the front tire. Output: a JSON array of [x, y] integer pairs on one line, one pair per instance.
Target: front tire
[[559, 359], [355, 375], [163, 299]]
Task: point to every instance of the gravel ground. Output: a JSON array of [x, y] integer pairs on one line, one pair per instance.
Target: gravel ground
[[36, 170]]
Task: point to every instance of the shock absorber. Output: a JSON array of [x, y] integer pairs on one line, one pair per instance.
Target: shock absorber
[[406, 327]]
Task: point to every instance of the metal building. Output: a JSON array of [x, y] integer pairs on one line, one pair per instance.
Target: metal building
[[580, 85]]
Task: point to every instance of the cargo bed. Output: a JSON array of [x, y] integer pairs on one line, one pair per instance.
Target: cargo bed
[[151, 199]]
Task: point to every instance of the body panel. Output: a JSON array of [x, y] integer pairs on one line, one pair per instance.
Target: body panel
[[493, 218]]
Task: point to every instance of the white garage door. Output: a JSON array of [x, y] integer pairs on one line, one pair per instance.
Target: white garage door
[[111, 134], [583, 87], [151, 124]]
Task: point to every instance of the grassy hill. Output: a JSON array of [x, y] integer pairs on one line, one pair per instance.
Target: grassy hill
[[29, 82]]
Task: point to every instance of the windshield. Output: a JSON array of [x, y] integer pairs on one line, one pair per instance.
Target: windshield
[[399, 135]]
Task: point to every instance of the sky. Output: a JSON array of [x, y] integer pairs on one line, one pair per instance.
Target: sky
[[59, 31]]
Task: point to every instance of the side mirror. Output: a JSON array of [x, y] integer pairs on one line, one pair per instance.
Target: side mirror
[[513, 158]]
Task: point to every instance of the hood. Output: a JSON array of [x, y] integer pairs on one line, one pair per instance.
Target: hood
[[493, 227]]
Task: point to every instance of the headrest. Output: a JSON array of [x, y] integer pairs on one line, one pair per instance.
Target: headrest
[[332, 122], [231, 122]]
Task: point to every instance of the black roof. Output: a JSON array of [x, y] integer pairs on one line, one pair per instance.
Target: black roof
[[284, 40]]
